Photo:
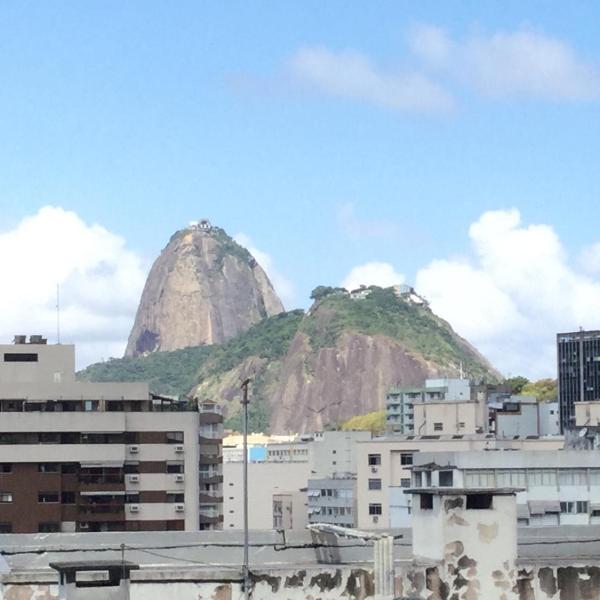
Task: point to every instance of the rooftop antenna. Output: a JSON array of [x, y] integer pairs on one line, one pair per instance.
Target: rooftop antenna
[[58, 313]]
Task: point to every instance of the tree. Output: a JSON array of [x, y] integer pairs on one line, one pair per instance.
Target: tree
[[321, 291], [517, 383], [373, 422], [544, 389]]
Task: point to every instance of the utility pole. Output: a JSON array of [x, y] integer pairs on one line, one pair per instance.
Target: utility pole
[[245, 569]]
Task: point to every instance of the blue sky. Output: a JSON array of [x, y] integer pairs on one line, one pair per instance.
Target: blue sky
[[306, 127]]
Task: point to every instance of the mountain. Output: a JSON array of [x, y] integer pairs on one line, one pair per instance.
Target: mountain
[[314, 370], [203, 289]]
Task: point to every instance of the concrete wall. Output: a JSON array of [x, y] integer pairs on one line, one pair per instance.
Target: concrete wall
[[264, 480], [335, 452], [55, 363], [454, 417]]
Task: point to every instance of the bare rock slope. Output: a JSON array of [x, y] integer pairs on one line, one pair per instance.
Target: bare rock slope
[[204, 288]]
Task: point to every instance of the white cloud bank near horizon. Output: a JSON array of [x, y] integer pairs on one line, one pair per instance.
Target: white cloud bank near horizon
[[100, 281], [438, 67], [512, 294]]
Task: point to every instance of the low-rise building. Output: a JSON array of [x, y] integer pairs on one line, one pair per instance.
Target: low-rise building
[[332, 500], [384, 470], [556, 488], [290, 510], [523, 415]]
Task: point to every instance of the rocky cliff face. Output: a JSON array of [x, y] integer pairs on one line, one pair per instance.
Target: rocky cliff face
[[204, 288]]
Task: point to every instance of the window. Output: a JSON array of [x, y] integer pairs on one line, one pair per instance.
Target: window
[[131, 467], [374, 484], [49, 527], [5, 527], [572, 477], [48, 467], [374, 459], [48, 497], [5, 467], [479, 501], [68, 468], [511, 478], [175, 467], [67, 497], [446, 478], [20, 357], [374, 509], [175, 497], [481, 478], [6, 497], [174, 437], [541, 477], [406, 458], [581, 507], [426, 501], [438, 427], [405, 482]]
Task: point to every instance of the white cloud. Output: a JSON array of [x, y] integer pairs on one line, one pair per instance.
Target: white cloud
[[100, 283], [350, 74], [372, 273], [283, 286], [513, 296], [520, 63]]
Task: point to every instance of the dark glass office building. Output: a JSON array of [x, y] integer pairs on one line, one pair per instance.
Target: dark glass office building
[[578, 372]]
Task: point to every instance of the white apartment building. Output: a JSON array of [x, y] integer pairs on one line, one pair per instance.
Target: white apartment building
[[557, 488], [384, 470]]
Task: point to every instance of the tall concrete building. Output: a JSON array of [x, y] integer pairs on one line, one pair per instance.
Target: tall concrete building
[[81, 456], [578, 356]]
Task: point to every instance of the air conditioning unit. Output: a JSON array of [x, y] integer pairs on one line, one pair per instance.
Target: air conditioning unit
[[134, 449], [84, 525], [179, 449], [373, 469], [133, 478], [375, 519], [180, 478], [180, 508], [134, 508]]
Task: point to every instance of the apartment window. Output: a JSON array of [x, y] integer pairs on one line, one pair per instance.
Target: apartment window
[[426, 501], [131, 467], [511, 478], [175, 497], [594, 475], [175, 467], [67, 468], [6, 497], [446, 478], [575, 507], [48, 497], [374, 509], [438, 426], [20, 357], [49, 527], [67, 497], [572, 477], [5, 527], [405, 482], [541, 477], [374, 459], [47, 437], [481, 478], [406, 458], [479, 501], [48, 468], [374, 484], [174, 437], [5, 467]]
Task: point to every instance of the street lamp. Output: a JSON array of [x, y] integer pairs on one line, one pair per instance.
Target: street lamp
[[245, 569]]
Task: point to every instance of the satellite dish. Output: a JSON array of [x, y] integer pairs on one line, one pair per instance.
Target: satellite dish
[[582, 432]]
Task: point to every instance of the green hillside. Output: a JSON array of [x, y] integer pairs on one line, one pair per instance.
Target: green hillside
[[214, 371]]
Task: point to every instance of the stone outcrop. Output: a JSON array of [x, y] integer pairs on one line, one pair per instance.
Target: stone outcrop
[[204, 288]]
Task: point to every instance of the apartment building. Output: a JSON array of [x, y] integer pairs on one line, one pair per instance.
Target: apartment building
[[82, 456], [332, 500], [555, 488], [384, 470]]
